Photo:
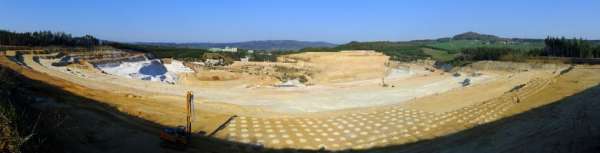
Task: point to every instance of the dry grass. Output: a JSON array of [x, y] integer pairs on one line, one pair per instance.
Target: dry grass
[[14, 129], [13, 135]]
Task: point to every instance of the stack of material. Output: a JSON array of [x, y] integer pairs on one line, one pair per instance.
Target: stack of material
[[151, 70]]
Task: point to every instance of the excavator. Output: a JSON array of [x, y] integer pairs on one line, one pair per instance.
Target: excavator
[[179, 137]]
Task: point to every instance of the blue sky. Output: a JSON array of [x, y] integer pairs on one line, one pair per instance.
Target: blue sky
[[337, 21]]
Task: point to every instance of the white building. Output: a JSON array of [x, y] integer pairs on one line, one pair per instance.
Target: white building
[[245, 59], [226, 49]]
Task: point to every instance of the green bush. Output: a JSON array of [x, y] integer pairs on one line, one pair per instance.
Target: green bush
[[486, 53]]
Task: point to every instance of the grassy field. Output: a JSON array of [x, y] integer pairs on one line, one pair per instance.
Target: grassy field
[[439, 55]]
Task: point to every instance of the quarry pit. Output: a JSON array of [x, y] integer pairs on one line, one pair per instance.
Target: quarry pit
[[313, 100]]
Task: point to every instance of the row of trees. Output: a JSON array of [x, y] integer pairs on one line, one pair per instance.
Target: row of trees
[[487, 53], [562, 47], [557, 47], [162, 51], [45, 38], [190, 54], [403, 51]]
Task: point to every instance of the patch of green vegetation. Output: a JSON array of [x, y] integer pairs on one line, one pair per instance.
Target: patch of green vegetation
[[553, 47], [489, 53], [403, 51], [439, 55], [475, 36], [455, 46], [163, 52], [563, 47], [45, 38]]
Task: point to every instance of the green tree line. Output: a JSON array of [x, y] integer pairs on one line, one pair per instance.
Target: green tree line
[[186, 54], [562, 47], [557, 47], [45, 38], [491, 53], [403, 51]]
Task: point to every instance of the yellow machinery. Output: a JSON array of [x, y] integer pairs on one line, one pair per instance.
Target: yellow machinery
[[180, 136]]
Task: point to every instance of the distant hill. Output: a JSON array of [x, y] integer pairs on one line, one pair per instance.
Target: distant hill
[[255, 45], [476, 36]]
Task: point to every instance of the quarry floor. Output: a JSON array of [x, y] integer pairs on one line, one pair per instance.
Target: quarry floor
[[356, 128], [242, 94]]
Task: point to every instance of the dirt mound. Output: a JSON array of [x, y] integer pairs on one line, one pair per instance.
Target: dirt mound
[[84, 66], [216, 75], [341, 66]]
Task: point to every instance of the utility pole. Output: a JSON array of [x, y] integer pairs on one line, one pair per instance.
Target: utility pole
[[189, 107]]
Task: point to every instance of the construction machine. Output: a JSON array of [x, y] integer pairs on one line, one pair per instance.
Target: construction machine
[[179, 136]]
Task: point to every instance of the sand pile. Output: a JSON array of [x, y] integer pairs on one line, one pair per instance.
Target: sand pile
[[152, 70], [216, 75], [84, 66], [177, 67], [341, 66]]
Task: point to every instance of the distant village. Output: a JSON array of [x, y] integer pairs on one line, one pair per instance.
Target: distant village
[[232, 50]]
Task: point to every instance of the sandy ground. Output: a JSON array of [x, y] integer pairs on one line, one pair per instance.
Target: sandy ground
[[560, 118], [358, 127]]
